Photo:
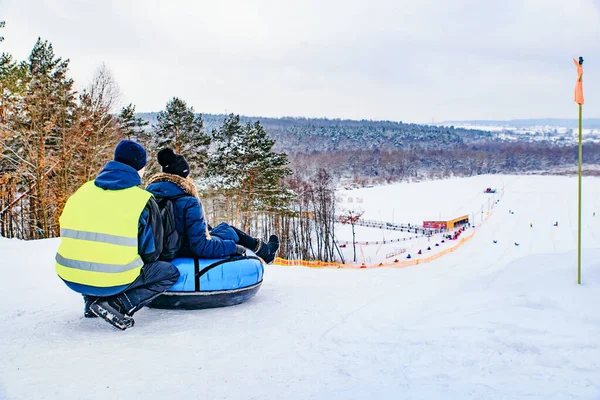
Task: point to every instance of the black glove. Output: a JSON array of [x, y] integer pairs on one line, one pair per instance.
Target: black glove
[[240, 250]]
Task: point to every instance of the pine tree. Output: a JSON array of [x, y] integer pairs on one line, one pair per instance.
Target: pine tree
[[13, 83], [51, 140], [225, 165], [263, 171], [47, 105], [178, 127], [131, 126], [247, 172], [13, 78]]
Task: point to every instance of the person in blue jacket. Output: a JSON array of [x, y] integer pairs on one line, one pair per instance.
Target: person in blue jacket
[[80, 222], [200, 240]]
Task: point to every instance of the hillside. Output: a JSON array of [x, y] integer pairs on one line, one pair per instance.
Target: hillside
[[394, 151], [555, 131], [572, 123], [488, 321], [312, 134]]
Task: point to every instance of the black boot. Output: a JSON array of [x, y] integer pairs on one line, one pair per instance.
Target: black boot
[[87, 302], [267, 251], [112, 311]]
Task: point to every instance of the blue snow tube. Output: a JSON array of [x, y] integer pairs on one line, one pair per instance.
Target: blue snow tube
[[210, 283]]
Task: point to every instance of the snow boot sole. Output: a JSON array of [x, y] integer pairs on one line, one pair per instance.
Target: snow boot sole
[[111, 315], [87, 313]]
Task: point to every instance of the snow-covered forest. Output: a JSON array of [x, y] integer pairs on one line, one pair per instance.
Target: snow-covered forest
[[388, 151], [54, 138], [262, 174]]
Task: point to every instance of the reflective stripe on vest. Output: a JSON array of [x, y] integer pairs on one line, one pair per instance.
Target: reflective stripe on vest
[[98, 237], [99, 244]]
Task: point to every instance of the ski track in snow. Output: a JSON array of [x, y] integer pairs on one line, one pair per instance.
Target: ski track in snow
[[488, 321]]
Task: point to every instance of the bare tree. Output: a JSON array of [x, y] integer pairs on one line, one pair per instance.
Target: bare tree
[[351, 217], [96, 121]]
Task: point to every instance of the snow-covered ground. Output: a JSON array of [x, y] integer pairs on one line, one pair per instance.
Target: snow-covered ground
[[488, 321], [534, 133], [413, 203], [428, 200]]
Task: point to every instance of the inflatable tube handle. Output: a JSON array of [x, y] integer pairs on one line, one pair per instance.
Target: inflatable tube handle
[[196, 274], [213, 265]]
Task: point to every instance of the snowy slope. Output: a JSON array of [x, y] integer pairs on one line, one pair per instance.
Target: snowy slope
[[489, 321], [413, 203], [565, 132]]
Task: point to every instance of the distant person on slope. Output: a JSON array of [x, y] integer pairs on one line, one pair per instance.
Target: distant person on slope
[[199, 239], [111, 238]]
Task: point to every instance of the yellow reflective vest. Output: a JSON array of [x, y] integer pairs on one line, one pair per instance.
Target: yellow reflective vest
[[99, 243]]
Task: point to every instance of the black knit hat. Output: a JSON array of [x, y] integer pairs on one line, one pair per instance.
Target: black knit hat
[[131, 153], [173, 163]]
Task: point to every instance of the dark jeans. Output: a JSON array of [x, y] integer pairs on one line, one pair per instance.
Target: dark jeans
[[154, 279], [246, 240]]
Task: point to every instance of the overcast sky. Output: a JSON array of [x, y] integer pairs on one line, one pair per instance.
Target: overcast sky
[[378, 59]]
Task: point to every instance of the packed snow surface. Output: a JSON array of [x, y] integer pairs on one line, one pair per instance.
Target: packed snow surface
[[413, 203], [488, 321]]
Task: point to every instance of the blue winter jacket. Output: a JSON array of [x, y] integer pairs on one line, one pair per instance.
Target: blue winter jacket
[[189, 219], [117, 176]]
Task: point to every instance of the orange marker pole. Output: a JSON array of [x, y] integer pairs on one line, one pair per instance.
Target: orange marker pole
[[579, 211], [579, 100]]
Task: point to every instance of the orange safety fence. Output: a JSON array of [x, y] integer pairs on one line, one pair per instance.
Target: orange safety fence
[[396, 264]]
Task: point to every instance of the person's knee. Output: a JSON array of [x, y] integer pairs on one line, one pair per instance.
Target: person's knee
[[161, 270], [174, 273], [169, 271]]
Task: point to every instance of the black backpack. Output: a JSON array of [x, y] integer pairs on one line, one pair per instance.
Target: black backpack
[[172, 240]]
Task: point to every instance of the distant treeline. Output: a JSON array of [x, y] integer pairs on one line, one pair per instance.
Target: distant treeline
[[573, 123], [320, 134], [391, 165], [394, 151]]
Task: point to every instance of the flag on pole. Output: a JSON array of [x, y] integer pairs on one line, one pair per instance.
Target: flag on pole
[[579, 100], [579, 83]]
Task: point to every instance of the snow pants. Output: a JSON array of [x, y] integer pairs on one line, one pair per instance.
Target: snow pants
[[154, 279]]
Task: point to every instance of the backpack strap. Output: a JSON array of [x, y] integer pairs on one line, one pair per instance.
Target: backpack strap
[[165, 199]]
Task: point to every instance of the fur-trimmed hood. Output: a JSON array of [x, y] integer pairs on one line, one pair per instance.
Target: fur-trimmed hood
[[168, 186], [185, 186]]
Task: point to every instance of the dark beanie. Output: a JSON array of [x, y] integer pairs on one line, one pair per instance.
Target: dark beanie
[[131, 153], [173, 163]]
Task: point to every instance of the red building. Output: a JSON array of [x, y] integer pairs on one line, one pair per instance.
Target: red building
[[434, 224], [449, 224]]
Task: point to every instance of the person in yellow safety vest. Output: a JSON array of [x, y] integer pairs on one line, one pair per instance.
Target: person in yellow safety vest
[[111, 239]]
